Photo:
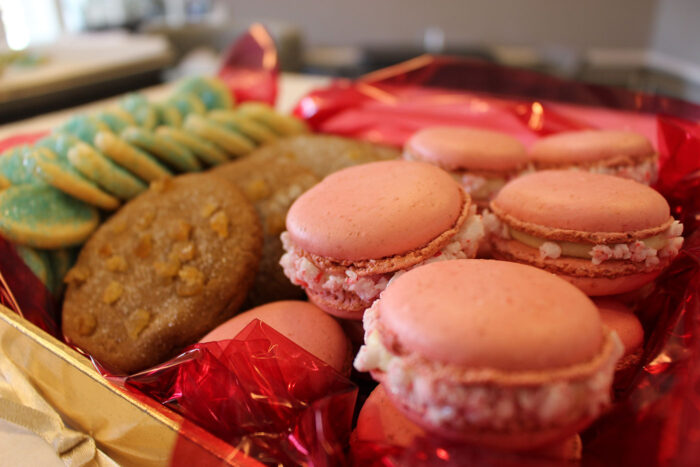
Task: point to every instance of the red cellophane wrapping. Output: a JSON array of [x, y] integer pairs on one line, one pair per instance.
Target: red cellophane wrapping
[[263, 394]]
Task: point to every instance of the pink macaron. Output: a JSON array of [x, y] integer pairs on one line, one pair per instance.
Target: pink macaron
[[490, 352], [605, 234], [621, 153], [382, 423], [619, 318], [481, 160], [301, 322], [348, 235]]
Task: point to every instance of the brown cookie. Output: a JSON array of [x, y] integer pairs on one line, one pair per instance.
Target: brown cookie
[[167, 268], [271, 184], [325, 154]]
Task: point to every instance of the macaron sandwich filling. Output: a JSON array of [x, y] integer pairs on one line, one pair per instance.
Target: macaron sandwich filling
[[649, 250], [645, 171], [454, 398], [330, 277]]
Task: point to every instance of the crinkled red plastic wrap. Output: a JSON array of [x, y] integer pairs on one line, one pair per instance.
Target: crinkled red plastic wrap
[[261, 393]]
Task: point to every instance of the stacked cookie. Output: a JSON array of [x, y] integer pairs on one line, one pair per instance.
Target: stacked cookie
[[52, 192]]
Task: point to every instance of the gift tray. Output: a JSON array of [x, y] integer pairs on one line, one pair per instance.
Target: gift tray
[[204, 406]]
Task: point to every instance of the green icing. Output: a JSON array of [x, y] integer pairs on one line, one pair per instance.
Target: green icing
[[38, 207], [61, 261], [60, 143], [113, 121], [143, 112], [83, 127], [211, 91], [38, 262], [187, 103], [17, 166]]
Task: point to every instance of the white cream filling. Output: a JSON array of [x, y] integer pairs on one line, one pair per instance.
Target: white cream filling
[[449, 404], [303, 272], [637, 251], [645, 172]]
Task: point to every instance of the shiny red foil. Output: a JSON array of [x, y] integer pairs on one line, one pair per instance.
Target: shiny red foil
[[261, 393], [250, 67]]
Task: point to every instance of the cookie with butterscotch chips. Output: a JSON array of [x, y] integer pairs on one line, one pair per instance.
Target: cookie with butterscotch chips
[[272, 184], [167, 268], [325, 154]]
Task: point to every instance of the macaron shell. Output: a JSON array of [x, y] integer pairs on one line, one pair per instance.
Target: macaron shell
[[302, 322], [620, 319], [381, 422], [481, 314], [588, 146], [375, 210], [462, 148], [582, 201], [603, 286]]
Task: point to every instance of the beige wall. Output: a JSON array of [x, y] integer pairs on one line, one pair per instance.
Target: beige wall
[[575, 23]]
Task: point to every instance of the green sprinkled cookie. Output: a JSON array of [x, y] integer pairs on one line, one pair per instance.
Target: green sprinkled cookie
[[61, 260], [42, 217], [38, 262], [136, 161], [169, 115], [230, 141], [84, 127], [59, 144], [285, 125], [212, 91], [203, 149], [143, 112], [243, 124], [116, 119], [108, 175], [17, 167], [171, 153], [64, 177], [188, 103]]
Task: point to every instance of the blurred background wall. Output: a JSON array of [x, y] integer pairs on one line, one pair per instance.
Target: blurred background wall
[[651, 45]]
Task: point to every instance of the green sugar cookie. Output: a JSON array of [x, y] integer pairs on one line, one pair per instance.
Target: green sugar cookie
[[61, 261], [169, 115], [38, 262], [108, 175], [84, 127], [188, 103], [285, 125], [59, 144], [212, 91], [231, 142], [171, 153], [134, 160], [63, 176], [17, 167], [143, 112], [116, 119], [42, 217], [243, 124], [204, 150]]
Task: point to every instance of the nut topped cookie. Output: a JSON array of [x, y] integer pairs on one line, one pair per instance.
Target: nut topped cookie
[[163, 271]]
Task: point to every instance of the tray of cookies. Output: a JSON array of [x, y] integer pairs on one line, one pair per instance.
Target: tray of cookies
[[156, 222]]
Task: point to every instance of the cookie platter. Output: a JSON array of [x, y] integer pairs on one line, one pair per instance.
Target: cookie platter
[[172, 256]]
